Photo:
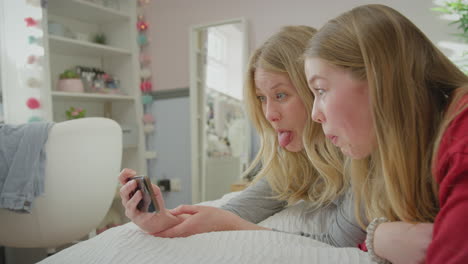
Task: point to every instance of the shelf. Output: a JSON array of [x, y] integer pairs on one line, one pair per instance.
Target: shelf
[[67, 46], [85, 11], [91, 96]]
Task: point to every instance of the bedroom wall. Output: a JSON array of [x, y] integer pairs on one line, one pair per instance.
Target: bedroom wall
[[170, 22], [171, 140]]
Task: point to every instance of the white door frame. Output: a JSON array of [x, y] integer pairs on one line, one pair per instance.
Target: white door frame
[[197, 99]]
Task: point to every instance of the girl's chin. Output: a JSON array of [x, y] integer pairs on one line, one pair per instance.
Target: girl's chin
[[293, 148]]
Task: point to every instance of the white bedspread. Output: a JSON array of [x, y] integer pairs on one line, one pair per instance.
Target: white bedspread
[[128, 244]]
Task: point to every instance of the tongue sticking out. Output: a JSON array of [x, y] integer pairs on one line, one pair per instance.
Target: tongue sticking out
[[284, 138]]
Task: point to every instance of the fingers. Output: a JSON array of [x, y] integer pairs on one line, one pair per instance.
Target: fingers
[[126, 191], [159, 197], [131, 207], [125, 174], [183, 229], [185, 209]]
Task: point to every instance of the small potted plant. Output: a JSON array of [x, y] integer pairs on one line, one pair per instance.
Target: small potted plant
[[100, 38], [70, 81], [75, 113]]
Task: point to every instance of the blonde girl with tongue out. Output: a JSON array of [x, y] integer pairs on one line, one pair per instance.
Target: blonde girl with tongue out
[[278, 102]]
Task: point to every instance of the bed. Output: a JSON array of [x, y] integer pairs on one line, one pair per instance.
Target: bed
[[129, 244]]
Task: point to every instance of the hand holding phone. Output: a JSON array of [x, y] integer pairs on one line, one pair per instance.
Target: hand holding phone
[[148, 202]]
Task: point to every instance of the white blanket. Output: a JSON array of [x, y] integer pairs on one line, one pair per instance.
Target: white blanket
[[129, 244]]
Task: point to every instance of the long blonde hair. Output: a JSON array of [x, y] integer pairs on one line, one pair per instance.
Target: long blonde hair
[[293, 176], [411, 83]]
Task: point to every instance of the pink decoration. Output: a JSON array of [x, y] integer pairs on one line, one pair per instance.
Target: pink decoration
[[30, 22], [142, 25], [146, 86], [148, 119], [145, 59], [31, 59], [33, 103]]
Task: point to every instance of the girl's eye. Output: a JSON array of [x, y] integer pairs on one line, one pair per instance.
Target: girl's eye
[[319, 91], [280, 96], [261, 98]]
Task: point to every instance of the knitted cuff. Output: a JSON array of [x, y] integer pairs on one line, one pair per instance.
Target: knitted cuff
[[370, 240]]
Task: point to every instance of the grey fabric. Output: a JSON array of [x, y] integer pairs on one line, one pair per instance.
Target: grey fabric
[[254, 204], [22, 164]]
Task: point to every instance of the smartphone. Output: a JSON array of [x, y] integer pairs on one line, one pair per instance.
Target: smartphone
[[148, 203]]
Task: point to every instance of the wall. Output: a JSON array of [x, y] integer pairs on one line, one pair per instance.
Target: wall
[[171, 141], [170, 23]]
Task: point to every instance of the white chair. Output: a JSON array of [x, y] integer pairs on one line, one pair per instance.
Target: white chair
[[83, 162]]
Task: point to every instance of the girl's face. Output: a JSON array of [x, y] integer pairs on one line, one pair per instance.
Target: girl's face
[[282, 107], [342, 106]]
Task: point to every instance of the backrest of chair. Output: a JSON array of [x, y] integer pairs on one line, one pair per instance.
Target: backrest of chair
[[83, 162]]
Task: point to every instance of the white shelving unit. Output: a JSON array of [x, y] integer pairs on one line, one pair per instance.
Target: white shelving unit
[[66, 49], [118, 57]]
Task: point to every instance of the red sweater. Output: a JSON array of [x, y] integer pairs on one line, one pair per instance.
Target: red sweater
[[450, 236]]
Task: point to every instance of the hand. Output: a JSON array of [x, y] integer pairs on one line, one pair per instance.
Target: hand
[[149, 222], [201, 219], [401, 242]]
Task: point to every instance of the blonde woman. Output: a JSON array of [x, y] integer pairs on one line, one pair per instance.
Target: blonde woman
[[278, 102], [394, 104]]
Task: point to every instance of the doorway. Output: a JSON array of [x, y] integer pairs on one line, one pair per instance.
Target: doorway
[[219, 126]]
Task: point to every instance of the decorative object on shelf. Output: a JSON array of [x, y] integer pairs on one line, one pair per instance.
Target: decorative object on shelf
[[70, 81], [100, 38], [75, 113], [98, 81], [33, 103]]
